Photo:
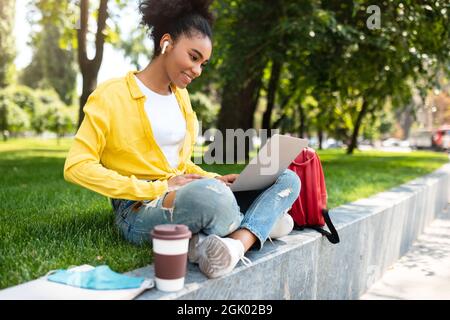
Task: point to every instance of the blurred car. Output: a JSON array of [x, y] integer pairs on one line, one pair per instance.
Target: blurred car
[[404, 144], [441, 138], [331, 143], [422, 139], [391, 142]]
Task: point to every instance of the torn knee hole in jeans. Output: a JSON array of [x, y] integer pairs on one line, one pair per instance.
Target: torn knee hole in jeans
[[170, 210], [151, 203], [284, 193], [167, 209], [135, 207], [213, 188]]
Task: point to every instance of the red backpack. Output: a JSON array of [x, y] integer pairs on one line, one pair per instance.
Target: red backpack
[[310, 209]]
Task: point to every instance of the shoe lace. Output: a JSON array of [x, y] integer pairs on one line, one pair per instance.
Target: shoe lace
[[246, 261]]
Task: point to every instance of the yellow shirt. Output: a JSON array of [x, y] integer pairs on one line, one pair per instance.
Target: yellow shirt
[[114, 152]]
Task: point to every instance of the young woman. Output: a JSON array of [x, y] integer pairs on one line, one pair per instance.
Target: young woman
[[135, 143]]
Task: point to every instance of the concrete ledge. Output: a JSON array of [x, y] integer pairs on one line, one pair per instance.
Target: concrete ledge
[[375, 232]]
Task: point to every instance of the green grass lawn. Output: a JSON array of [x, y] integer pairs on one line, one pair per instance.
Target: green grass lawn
[[47, 223]]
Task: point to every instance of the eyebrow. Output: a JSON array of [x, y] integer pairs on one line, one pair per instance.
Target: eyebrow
[[199, 53]]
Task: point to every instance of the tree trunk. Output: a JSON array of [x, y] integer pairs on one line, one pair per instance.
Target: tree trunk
[[271, 92], [238, 109], [89, 85], [277, 124], [405, 118], [320, 137], [89, 67], [7, 41], [285, 100], [361, 114], [406, 124], [4, 121], [302, 121]]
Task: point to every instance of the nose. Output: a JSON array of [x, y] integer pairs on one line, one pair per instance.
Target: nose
[[197, 70]]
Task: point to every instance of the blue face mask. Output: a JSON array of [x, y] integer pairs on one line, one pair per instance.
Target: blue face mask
[[99, 278]]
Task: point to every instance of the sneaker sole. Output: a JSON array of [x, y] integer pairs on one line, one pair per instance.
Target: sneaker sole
[[215, 259]]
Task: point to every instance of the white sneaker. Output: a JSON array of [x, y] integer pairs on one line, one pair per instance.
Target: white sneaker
[[283, 226], [218, 256], [194, 242]]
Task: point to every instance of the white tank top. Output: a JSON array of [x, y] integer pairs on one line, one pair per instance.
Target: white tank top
[[167, 122]]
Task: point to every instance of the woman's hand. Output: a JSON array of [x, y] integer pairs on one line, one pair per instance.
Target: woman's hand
[[179, 181], [228, 178]]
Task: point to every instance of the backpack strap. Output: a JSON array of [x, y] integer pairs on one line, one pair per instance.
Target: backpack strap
[[331, 235]]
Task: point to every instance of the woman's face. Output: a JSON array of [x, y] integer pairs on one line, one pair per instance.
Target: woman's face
[[186, 58]]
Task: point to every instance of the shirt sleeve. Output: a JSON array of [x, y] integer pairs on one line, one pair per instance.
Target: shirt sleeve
[[83, 165]]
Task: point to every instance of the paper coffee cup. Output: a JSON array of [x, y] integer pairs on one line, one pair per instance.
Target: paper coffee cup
[[170, 249]]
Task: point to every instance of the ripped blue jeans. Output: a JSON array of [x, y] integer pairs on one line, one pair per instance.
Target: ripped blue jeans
[[208, 205]]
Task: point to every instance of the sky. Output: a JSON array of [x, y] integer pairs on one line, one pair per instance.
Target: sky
[[114, 63]]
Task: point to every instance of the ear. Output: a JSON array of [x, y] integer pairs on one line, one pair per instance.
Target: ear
[[166, 37]]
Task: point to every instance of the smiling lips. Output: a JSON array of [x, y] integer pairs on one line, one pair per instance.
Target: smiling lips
[[186, 78]]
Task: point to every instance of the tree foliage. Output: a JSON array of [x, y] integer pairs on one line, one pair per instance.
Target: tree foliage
[[7, 43], [24, 109], [53, 61], [327, 52]]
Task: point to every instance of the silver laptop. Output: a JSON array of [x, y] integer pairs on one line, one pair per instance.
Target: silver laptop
[[272, 159]]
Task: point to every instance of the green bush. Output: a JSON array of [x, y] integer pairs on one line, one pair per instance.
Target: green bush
[[24, 97], [49, 105], [39, 110], [63, 120], [13, 119]]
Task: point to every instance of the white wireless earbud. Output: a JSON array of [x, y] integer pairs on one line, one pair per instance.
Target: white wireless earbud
[[165, 44]]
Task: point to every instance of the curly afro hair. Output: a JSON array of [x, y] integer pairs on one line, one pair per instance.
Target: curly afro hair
[[176, 17]]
